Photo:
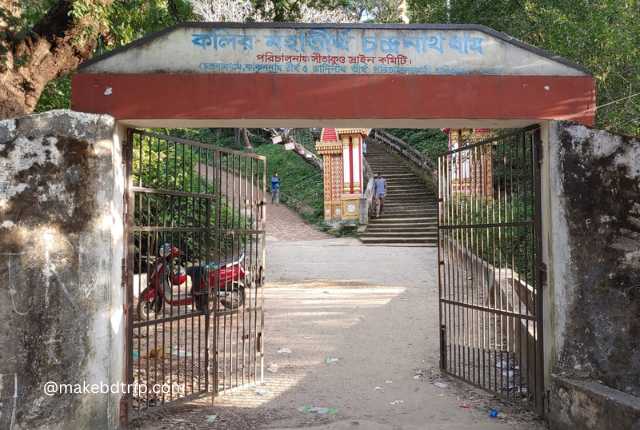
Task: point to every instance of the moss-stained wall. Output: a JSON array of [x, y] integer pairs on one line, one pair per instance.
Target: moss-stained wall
[[596, 264], [60, 246]]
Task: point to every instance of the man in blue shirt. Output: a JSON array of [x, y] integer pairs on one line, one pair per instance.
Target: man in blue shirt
[[379, 191], [275, 189]]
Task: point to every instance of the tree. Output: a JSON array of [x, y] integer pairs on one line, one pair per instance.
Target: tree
[[267, 10], [41, 41], [380, 11], [32, 55], [603, 36]]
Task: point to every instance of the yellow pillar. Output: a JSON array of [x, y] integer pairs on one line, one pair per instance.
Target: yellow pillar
[[341, 149], [331, 150]]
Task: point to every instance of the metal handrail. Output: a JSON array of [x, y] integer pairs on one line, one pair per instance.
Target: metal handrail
[[404, 149]]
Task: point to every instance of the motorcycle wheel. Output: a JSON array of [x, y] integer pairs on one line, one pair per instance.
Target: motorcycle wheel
[[148, 310], [232, 299]]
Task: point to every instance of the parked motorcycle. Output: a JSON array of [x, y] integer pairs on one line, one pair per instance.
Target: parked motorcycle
[[226, 283]]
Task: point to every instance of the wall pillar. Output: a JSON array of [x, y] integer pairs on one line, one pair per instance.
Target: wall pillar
[[61, 249], [352, 184], [333, 178], [591, 242]]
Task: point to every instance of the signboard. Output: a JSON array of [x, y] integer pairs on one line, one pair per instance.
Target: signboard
[[331, 50]]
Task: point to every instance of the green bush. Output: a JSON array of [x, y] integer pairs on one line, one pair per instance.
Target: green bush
[[497, 230], [431, 141], [162, 166]]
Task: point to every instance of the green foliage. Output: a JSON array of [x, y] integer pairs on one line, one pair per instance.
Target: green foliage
[[56, 95], [602, 35], [32, 11], [125, 21], [501, 246], [290, 10], [301, 183], [220, 137], [431, 141], [129, 20], [379, 11], [304, 137], [159, 165], [302, 188]]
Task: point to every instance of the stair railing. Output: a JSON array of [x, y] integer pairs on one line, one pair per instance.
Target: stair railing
[[404, 149]]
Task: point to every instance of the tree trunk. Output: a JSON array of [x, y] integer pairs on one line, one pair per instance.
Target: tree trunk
[[245, 136], [56, 45]]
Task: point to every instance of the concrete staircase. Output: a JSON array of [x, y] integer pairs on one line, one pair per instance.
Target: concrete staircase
[[410, 209]]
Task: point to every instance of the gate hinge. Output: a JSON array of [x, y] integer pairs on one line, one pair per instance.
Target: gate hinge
[[543, 274], [538, 147], [125, 151], [123, 267]]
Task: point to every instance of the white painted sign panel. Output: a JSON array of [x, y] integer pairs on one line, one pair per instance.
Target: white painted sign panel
[[331, 51]]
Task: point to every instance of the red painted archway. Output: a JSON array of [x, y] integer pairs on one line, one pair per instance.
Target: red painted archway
[[143, 83]]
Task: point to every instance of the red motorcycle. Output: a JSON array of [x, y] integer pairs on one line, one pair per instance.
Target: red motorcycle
[[226, 282]]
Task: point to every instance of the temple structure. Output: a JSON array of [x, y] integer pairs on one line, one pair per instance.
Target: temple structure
[[474, 170], [341, 149]]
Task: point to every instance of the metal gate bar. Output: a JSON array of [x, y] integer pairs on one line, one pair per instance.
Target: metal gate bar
[[239, 343], [489, 269], [195, 264]]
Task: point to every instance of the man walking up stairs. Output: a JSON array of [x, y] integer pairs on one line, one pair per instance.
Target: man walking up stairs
[[410, 208]]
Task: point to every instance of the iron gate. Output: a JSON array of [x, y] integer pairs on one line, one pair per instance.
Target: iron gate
[[490, 267], [195, 265]]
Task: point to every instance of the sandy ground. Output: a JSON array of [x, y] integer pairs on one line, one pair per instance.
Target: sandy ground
[[374, 309]]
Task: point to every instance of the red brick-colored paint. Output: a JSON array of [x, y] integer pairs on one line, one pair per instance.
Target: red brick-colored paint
[[329, 135], [265, 96], [351, 164]]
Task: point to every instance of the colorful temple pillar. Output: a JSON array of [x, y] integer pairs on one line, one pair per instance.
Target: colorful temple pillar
[[474, 170], [341, 149]]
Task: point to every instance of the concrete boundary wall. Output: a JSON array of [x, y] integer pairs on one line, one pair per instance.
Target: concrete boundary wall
[[61, 245], [591, 233]]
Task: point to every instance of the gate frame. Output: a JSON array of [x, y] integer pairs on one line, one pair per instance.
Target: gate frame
[[127, 265], [540, 269]]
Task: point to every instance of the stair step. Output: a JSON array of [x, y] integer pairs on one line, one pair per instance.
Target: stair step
[[404, 183], [404, 220], [409, 198], [403, 198], [405, 186], [401, 230], [405, 209], [414, 206], [401, 216], [410, 210], [403, 245], [400, 239], [400, 225], [408, 214], [407, 234], [393, 211], [409, 204]]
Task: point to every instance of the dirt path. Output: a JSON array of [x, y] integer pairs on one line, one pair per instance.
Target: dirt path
[[283, 224], [374, 309]]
